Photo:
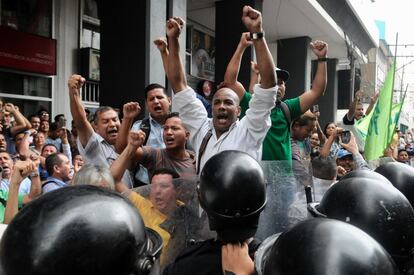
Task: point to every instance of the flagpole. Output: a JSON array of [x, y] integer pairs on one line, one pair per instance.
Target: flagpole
[[392, 87]]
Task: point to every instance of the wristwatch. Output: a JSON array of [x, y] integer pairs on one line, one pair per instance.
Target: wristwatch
[[256, 35], [33, 175]]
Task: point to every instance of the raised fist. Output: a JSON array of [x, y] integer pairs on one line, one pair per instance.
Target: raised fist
[[161, 43], [245, 40], [136, 138], [175, 26], [252, 19], [319, 48], [131, 110], [76, 82]]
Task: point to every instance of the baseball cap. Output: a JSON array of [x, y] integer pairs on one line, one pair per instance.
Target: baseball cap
[[283, 74], [343, 153]]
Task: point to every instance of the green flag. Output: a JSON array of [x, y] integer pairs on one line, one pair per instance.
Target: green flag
[[362, 125], [379, 133]]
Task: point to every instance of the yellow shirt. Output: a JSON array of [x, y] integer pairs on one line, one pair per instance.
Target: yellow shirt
[[151, 216]]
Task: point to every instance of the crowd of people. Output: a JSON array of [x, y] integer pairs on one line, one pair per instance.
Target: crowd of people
[[193, 169]]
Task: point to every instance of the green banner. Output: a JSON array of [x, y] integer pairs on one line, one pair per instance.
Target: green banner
[[380, 127]]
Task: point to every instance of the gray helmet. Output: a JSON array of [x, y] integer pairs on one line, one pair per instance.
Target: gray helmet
[[79, 230]]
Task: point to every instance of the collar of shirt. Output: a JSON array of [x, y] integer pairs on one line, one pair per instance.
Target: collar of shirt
[[223, 135], [57, 181]]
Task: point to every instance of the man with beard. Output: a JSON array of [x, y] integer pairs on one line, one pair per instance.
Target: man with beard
[[95, 144], [224, 131], [7, 164]]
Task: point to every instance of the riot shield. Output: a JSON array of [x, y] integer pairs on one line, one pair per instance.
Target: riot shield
[[286, 195], [184, 226]]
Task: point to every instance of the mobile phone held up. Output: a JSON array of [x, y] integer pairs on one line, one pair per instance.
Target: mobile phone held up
[[345, 137]]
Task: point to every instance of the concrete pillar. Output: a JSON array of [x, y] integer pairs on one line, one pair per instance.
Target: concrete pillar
[[294, 55], [65, 30], [328, 102], [229, 28], [157, 11], [344, 86], [123, 52]]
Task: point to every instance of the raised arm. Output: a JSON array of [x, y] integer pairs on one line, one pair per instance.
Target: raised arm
[[254, 76], [131, 154], [20, 171], [175, 72], [372, 103], [252, 19], [309, 98], [85, 129], [352, 108], [162, 46], [130, 111], [19, 119], [232, 70]]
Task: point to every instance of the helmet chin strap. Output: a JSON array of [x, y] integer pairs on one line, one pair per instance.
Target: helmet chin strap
[[147, 264]]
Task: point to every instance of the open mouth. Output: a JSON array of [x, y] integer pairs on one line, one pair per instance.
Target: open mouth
[[157, 109], [169, 140], [113, 132], [222, 118]]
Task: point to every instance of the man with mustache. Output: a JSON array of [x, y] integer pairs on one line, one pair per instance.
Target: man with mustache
[[95, 143], [224, 131], [158, 106]]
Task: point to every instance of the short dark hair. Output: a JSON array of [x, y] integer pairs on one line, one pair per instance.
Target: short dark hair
[[324, 168], [402, 150], [47, 145], [32, 116], [101, 110], [39, 113], [53, 127], [153, 86], [58, 116], [172, 114], [166, 171], [51, 161]]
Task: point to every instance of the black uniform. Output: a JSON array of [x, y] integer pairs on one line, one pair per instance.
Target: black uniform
[[203, 258]]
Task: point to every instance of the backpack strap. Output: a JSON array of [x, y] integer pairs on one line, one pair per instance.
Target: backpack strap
[[47, 182], [146, 128], [203, 148], [286, 112]]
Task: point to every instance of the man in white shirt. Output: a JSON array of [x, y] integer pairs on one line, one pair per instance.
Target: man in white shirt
[[227, 132]]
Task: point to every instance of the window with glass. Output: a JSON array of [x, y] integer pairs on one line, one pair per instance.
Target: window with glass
[[31, 16]]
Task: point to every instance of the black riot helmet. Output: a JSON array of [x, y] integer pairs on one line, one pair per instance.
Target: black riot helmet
[[79, 230], [232, 191], [323, 247], [365, 173], [401, 176], [378, 209]]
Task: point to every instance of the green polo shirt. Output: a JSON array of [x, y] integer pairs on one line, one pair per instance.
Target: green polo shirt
[[3, 198], [276, 145]]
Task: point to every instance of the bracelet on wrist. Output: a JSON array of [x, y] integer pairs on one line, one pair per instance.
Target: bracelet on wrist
[[322, 59]]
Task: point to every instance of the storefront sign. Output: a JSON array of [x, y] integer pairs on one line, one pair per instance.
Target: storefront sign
[[203, 54], [27, 52]]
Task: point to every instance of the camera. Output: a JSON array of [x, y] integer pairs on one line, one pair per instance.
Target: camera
[[345, 136]]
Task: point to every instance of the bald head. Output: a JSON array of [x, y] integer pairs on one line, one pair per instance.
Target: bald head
[[227, 92], [226, 110]]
